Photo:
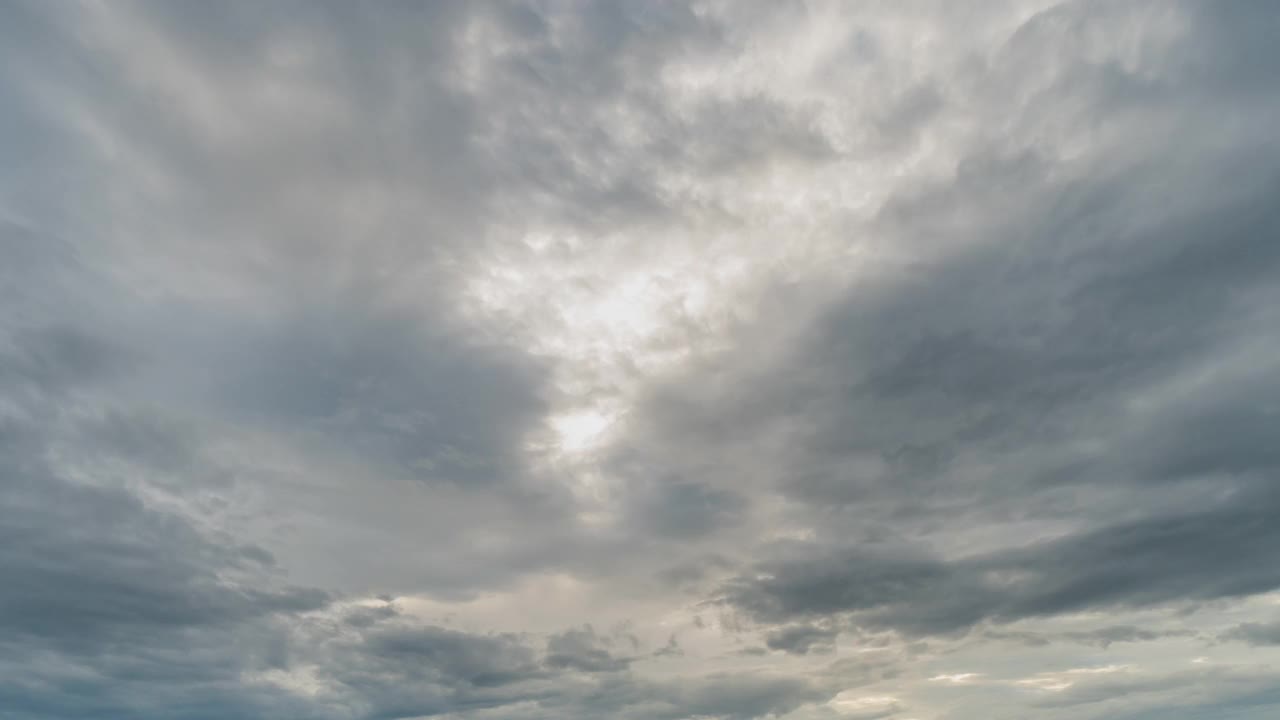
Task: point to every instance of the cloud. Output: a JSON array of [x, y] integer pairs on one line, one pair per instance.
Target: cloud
[[1160, 560], [1254, 634], [801, 639], [1239, 683], [524, 361], [1102, 637], [583, 650], [111, 607]]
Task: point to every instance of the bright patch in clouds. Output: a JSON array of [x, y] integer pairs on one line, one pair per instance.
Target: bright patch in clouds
[[956, 678], [579, 431], [853, 705]]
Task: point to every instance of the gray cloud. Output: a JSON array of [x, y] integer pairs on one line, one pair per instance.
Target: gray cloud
[[801, 639], [995, 381], [1102, 637], [582, 649], [362, 363], [1236, 687], [1254, 633], [1158, 560], [114, 609]]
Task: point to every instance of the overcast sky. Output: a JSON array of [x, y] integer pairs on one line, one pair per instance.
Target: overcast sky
[[640, 360]]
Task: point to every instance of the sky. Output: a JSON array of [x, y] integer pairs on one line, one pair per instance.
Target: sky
[[640, 360]]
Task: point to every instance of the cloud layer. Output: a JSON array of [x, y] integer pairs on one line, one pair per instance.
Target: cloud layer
[[537, 360]]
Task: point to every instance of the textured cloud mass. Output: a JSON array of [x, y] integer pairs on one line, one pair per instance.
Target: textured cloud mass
[[652, 361]]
